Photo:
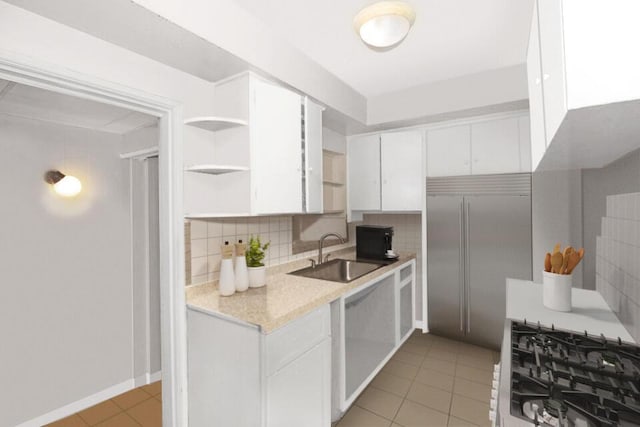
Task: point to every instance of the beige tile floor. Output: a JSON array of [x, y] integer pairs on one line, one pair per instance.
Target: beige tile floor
[[430, 381], [141, 406]]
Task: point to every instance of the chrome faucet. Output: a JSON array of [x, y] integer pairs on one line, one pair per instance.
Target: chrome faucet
[[321, 244]]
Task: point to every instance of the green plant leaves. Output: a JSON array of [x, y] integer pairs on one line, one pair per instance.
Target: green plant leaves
[[255, 252]]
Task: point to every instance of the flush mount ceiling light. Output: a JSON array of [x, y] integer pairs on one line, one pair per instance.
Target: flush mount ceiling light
[[64, 185], [385, 24]]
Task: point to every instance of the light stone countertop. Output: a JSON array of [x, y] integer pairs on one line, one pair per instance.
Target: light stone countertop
[[589, 310], [285, 297]]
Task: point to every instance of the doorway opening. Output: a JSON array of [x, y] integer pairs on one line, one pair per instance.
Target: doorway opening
[[81, 310]]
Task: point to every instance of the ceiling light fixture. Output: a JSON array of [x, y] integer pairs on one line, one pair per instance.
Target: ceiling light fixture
[[64, 185], [385, 24]]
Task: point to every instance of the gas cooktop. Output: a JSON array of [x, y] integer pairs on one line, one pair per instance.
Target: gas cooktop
[[562, 378]]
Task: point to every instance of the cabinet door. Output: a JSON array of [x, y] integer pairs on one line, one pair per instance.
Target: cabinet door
[[495, 147], [536, 107], [401, 163], [276, 150], [313, 156], [449, 151], [550, 19], [364, 173], [300, 393]]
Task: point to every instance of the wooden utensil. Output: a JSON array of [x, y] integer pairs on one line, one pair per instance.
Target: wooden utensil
[[556, 262], [565, 258], [556, 248], [574, 260], [547, 263], [581, 252]]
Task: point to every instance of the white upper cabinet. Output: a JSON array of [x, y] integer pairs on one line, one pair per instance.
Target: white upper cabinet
[[495, 147], [584, 91], [247, 159], [536, 106], [386, 172], [482, 147], [402, 175], [449, 151], [276, 161], [554, 85], [364, 173], [313, 156]]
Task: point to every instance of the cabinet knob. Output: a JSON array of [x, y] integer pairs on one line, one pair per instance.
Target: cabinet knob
[[538, 80], [545, 76], [310, 169]]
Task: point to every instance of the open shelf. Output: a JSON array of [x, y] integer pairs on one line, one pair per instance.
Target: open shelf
[[213, 124], [215, 169]]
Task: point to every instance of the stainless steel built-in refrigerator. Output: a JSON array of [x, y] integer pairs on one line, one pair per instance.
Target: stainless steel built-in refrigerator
[[478, 234]]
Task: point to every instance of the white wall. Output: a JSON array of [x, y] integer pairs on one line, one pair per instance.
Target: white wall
[[227, 25], [57, 46], [501, 86], [333, 141], [65, 304], [556, 204]]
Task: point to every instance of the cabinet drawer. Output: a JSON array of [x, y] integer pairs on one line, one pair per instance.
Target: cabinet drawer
[[292, 340]]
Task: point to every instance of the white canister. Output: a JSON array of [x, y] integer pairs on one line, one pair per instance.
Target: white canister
[[556, 291], [242, 275], [227, 282]]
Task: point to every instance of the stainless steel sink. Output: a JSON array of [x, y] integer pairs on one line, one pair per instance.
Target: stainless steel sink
[[338, 270]]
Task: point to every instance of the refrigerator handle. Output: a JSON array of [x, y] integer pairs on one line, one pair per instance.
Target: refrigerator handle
[[467, 258], [461, 269]]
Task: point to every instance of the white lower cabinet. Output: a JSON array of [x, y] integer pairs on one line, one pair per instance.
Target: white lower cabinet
[[241, 377], [300, 393], [369, 325]]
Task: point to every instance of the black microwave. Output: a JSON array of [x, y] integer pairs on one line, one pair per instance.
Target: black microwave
[[374, 242]]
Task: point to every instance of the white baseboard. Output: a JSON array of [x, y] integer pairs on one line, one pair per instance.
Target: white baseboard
[[94, 399], [79, 405], [147, 378], [419, 324], [156, 376]]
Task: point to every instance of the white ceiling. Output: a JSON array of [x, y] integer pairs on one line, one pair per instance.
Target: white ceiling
[[34, 103], [449, 39]]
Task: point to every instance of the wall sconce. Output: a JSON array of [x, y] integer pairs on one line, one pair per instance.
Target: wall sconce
[[64, 185]]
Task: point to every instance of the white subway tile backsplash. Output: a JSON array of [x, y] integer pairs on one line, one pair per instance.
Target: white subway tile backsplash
[[213, 245], [210, 235], [198, 248], [618, 259], [229, 229], [213, 262], [198, 266], [214, 229], [198, 229]]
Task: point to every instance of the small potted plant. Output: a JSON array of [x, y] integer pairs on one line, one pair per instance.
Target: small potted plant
[[254, 256]]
